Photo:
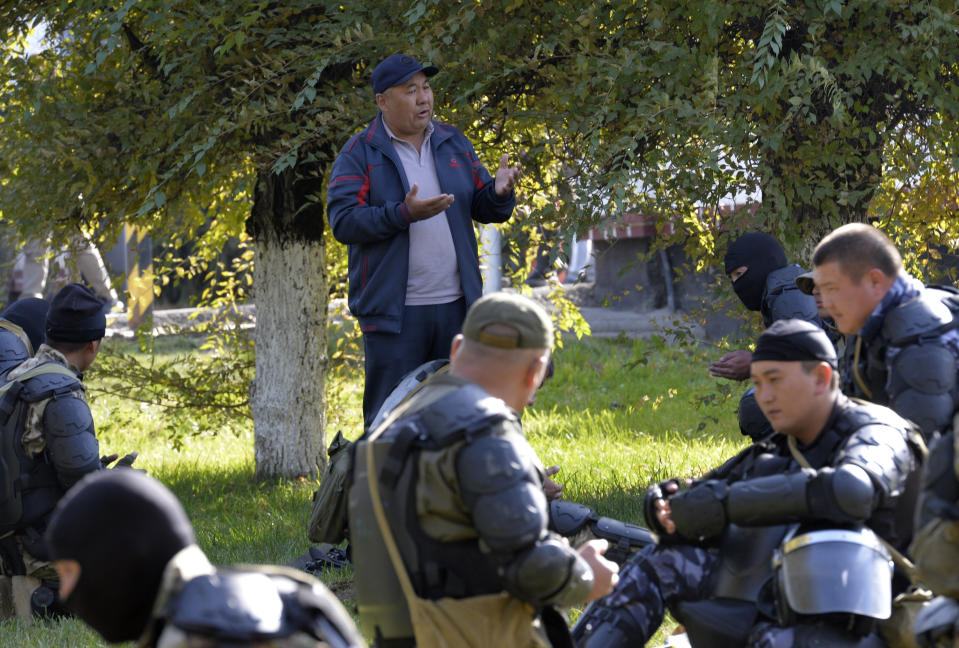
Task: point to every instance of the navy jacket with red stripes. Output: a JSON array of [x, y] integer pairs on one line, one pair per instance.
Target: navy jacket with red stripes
[[366, 208]]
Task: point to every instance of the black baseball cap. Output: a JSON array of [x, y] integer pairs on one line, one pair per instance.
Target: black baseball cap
[[396, 69]]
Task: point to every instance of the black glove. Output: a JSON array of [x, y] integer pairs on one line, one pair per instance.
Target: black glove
[[125, 462], [661, 491], [700, 512]]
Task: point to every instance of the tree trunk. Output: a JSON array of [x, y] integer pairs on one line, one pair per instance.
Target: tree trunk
[[288, 397]]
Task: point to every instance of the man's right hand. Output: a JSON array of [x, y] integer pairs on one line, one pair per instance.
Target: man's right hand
[[734, 365], [421, 209], [605, 572]]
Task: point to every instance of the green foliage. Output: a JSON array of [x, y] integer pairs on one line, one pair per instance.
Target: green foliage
[[162, 112], [664, 108]]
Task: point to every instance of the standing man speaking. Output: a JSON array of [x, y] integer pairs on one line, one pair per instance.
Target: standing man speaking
[[403, 195]]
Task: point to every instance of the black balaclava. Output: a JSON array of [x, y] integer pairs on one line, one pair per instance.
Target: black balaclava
[[30, 314], [123, 528], [762, 254]]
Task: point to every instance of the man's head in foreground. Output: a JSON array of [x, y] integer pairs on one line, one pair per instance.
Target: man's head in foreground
[[854, 267], [794, 373], [111, 538], [504, 347]]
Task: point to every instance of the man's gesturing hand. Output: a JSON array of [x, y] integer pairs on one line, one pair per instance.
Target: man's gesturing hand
[[421, 209], [506, 177]]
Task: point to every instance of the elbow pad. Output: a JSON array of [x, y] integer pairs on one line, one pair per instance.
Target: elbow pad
[[550, 573], [769, 500], [842, 494], [71, 442]]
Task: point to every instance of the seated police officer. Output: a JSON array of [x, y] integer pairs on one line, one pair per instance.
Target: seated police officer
[[130, 568], [905, 353], [832, 463], [21, 331], [47, 444], [448, 517]]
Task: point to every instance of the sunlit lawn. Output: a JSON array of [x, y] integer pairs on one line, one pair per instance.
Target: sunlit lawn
[[618, 415]]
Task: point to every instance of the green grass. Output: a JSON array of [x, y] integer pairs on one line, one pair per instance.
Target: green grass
[[617, 416]]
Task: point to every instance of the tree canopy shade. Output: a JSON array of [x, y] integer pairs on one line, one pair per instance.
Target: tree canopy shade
[[667, 105], [170, 114]]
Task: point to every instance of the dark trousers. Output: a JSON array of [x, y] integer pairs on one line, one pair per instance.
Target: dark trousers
[[659, 578], [427, 334]]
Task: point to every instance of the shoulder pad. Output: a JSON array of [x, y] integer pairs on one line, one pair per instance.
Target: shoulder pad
[[923, 315], [43, 385], [782, 278], [12, 347], [230, 606], [466, 410], [491, 464], [308, 606], [857, 414]]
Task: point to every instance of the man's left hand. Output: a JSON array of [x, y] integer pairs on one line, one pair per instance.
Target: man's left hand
[[553, 490], [506, 177]]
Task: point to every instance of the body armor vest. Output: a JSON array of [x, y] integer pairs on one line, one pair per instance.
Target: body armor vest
[[20, 473], [436, 569]]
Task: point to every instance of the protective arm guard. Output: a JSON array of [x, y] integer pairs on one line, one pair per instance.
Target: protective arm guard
[[792, 303], [550, 573], [843, 494], [700, 513], [71, 444], [569, 518], [501, 485]]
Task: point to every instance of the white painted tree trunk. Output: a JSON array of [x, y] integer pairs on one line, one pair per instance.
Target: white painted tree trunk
[[288, 396]]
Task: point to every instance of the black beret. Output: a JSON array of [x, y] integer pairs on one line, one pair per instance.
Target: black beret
[[77, 315], [795, 340]]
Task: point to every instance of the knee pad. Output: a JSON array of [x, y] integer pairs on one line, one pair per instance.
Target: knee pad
[[603, 627], [45, 602]]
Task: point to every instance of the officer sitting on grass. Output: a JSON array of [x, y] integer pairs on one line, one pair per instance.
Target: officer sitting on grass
[[833, 463]]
